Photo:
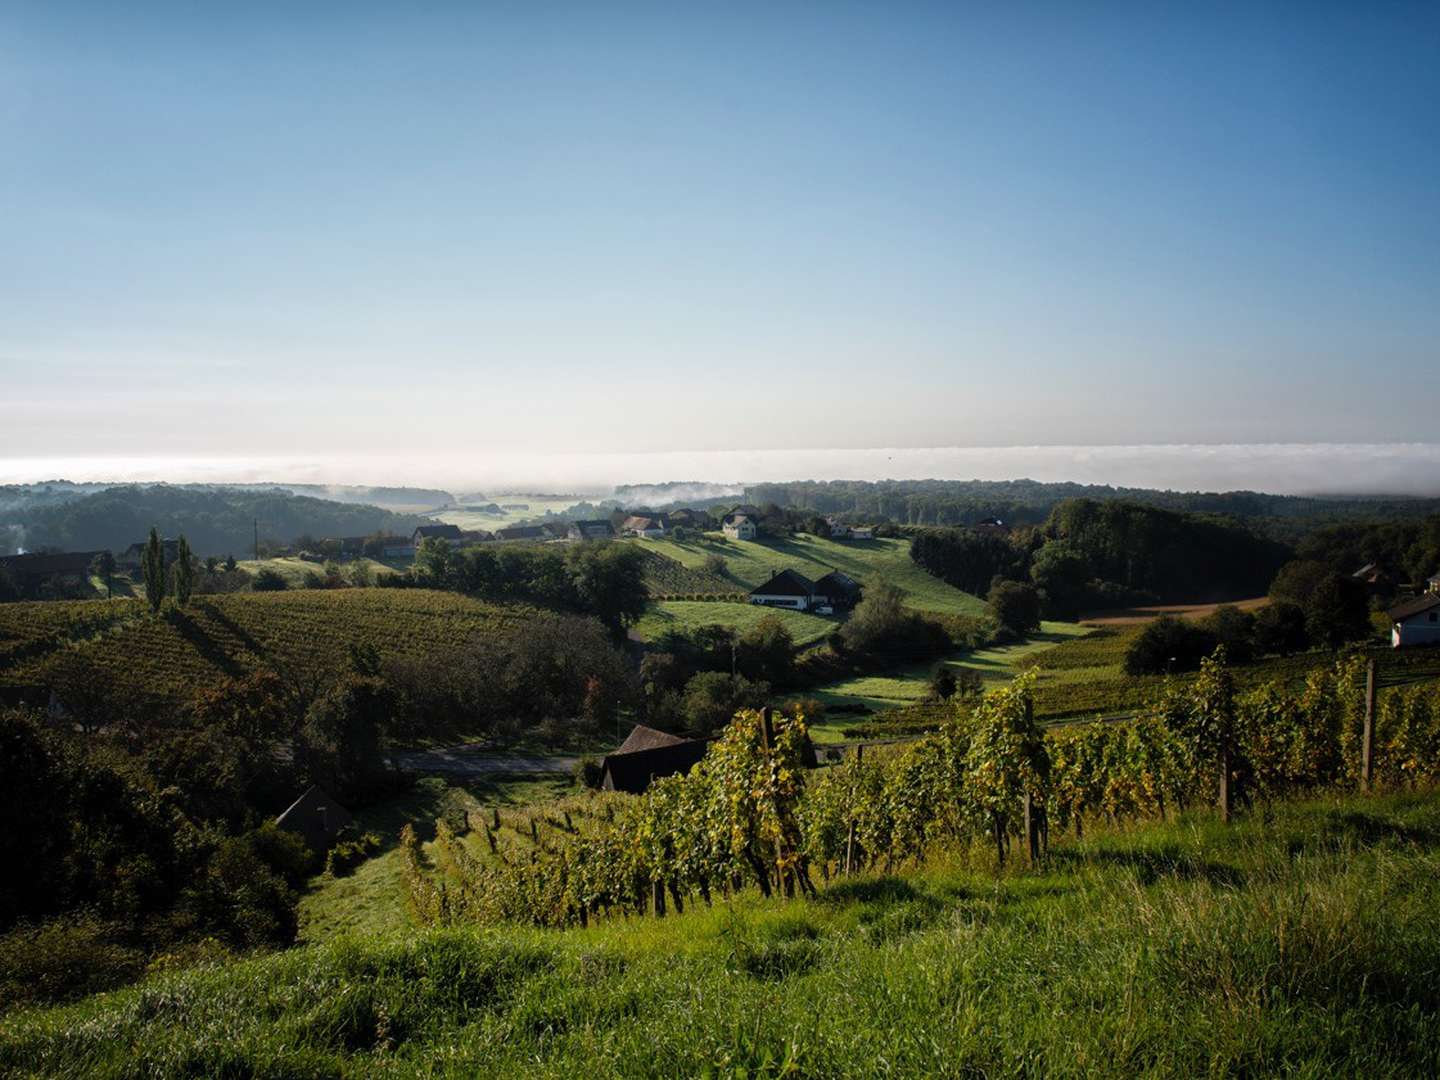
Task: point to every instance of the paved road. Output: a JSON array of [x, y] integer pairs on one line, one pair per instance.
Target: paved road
[[476, 759]]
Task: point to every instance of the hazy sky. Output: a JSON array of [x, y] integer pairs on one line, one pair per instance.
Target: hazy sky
[[298, 228]]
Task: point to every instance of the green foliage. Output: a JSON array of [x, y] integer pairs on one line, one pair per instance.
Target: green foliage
[[268, 580], [183, 571], [1015, 608], [712, 698], [1169, 645], [153, 566]]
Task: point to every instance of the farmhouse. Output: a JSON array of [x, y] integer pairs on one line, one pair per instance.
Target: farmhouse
[[435, 532], [521, 532], [134, 555], [316, 818], [31, 571], [590, 530], [651, 527], [838, 529], [739, 527], [1416, 622], [836, 591], [691, 519], [1372, 577], [861, 532], [991, 524], [646, 755], [786, 589], [397, 547], [743, 510]]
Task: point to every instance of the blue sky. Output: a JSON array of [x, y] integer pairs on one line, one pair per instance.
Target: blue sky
[[497, 228]]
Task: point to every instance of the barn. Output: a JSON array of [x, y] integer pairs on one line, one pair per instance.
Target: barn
[[648, 754]]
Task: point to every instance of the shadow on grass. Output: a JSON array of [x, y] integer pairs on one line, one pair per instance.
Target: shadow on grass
[[884, 890], [207, 647], [1368, 830], [234, 628], [1153, 866]]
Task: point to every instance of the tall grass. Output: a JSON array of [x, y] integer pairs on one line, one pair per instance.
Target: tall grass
[[1300, 942]]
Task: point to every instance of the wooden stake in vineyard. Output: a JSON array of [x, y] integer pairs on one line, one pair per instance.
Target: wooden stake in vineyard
[[1367, 736], [850, 834]]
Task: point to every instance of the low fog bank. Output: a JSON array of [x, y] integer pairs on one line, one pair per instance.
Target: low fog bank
[[1286, 469]]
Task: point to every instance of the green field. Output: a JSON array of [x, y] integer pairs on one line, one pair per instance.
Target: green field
[[537, 505], [689, 615], [751, 563], [181, 650], [1299, 942]]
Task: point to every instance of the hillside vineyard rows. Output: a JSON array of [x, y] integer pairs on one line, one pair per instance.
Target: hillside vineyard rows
[[748, 816]]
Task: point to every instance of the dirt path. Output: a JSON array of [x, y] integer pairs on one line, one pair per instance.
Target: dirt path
[[1135, 615]]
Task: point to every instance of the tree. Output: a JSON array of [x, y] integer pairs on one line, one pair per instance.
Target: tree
[[184, 571], [1297, 580], [361, 575], [1169, 644], [436, 562], [342, 742], [153, 565], [1062, 574], [268, 580], [230, 564], [1015, 607], [1280, 629], [1234, 629], [766, 652], [942, 683], [609, 583], [1337, 612], [713, 697], [103, 566], [817, 526], [714, 564]]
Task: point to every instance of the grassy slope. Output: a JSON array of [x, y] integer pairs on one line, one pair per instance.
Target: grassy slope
[[1299, 942], [750, 563], [371, 900], [688, 615]]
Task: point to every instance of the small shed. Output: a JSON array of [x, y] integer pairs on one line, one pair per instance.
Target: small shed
[[648, 754], [316, 818]]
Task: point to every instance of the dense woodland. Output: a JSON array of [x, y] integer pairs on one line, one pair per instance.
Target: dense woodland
[[217, 521]]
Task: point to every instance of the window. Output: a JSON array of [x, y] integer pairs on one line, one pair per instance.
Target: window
[[1434, 617]]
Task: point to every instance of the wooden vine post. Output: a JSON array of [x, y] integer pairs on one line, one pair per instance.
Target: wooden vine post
[[850, 834], [1032, 816], [1367, 736]]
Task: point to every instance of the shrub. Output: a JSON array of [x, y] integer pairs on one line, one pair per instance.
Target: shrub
[[589, 773], [1015, 607], [268, 580], [1280, 628], [63, 960], [1169, 644], [348, 854]]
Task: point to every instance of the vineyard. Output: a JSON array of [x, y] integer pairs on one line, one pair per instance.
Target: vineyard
[[668, 578], [748, 815], [303, 633]]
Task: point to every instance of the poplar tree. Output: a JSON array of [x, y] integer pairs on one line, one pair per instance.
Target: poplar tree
[[184, 571], [153, 564]]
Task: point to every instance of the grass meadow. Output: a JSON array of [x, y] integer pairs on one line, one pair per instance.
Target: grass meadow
[[1298, 942], [751, 563]]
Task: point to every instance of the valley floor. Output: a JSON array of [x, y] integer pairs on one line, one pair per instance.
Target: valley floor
[[1301, 941]]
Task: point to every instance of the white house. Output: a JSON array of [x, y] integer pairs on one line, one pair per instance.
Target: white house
[[862, 533], [786, 589], [1416, 622], [739, 527]]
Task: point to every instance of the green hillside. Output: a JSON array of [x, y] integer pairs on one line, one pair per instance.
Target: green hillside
[[1300, 943], [689, 615], [181, 650], [750, 563]]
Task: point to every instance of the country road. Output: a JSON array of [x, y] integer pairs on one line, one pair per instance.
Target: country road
[[476, 759]]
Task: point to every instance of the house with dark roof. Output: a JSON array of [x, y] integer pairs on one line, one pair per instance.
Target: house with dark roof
[[786, 589], [836, 591], [316, 818], [435, 532], [648, 754], [1416, 622], [650, 526], [134, 555], [31, 572], [691, 519], [598, 529], [522, 532]]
